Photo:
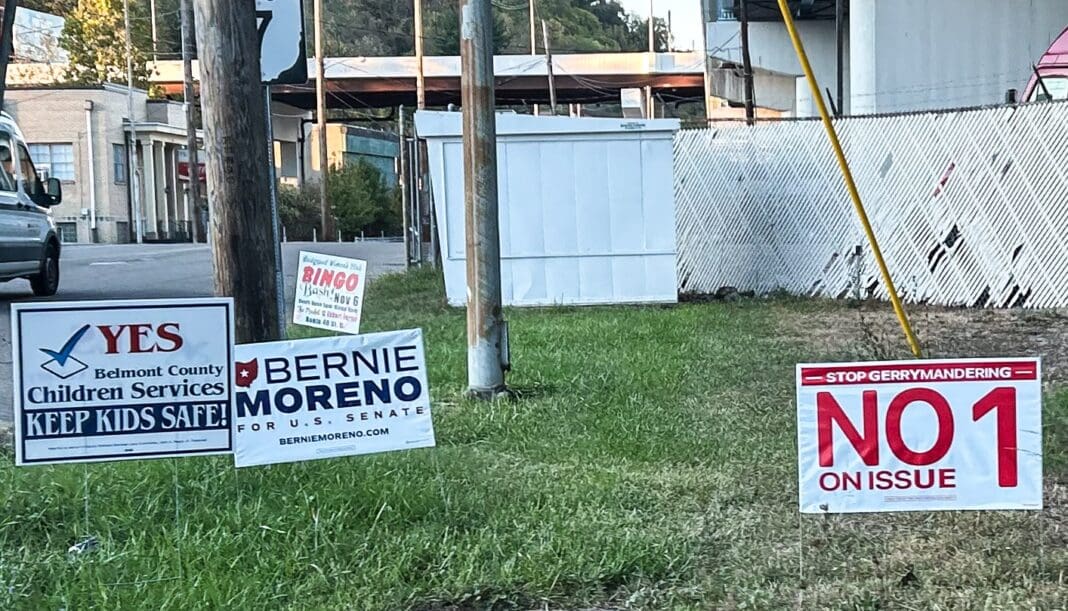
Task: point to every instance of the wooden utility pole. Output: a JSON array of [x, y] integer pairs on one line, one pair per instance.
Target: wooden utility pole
[[7, 43], [706, 11], [422, 195], [188, 47], [549, 66], [325, 210], [747, 66], [238, 174], [420, 77], [487, 334]]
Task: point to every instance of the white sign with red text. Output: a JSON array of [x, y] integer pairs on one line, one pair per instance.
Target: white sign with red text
[[329, 292], [330, 397], [920, 435], [121, 380]]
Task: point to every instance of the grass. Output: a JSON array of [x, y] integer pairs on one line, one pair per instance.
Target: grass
[[650, 464]]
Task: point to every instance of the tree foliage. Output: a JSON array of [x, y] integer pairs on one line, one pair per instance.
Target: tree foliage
[[362, 201], [94, 36], [359, 196], [386, 27]]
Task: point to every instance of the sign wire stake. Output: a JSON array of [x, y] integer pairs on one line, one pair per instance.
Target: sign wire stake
[[177, 521], [801, 558], [85, 495]]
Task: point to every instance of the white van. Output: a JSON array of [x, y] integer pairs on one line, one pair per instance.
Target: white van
[[29, 247]]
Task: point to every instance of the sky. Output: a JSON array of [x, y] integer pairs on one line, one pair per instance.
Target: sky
[[685, 18]]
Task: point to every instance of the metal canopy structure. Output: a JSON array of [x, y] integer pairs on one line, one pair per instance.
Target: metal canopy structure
[[768, 10], [382, 82]]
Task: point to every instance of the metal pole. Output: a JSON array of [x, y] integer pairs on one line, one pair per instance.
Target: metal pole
[[417, 205], [276, 232], [487, 335], [533, 44], [839, 16], [135, 159], [747, 66], [670, 35], [549, 65], [652, 33], [92, 169], [402, 174], [320, 118], [650, 111], [155, 31], [190, 99], [847, 174], [420, 77]]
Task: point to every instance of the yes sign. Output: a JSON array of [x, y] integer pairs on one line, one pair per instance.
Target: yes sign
[[920, 435]]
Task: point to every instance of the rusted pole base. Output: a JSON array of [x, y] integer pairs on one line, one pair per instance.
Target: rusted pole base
[[494, 394]]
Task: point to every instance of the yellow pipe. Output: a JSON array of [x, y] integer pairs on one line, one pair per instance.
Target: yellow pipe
[[899, 309]]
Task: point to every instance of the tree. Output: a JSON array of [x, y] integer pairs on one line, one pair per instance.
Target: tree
[[360, 198], [56, 7], [298, 210], [443, 30], [94, 36], [364, 28]]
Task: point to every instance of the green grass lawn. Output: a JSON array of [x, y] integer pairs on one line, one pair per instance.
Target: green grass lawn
[[650, 464]]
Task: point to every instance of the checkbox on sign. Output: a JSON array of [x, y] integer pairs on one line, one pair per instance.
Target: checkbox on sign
[[67, 370]]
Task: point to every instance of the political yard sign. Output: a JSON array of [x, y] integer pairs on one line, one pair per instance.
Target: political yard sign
[[920, 435], [329, 292], [335, 396], [118, 380]]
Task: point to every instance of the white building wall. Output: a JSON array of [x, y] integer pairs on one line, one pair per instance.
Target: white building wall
[[906, 55], [925, 54], [772, 51]]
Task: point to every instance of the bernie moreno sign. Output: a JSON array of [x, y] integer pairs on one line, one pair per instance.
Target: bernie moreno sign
[[118, 380], [335, 396]]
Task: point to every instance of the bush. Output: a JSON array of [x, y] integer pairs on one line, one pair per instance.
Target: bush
[[359, 196], [362, 201], [298, 211]]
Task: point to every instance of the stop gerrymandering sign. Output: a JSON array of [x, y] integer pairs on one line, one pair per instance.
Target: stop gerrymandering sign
[[920, 435]]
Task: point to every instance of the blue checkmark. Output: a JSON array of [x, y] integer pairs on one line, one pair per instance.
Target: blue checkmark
[[64, 353]]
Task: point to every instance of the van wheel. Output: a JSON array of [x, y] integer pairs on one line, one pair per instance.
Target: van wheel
[[46, 283]]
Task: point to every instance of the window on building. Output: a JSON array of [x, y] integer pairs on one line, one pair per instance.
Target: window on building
[[68, 232], [289, 159], [58, 157], [118, 163]]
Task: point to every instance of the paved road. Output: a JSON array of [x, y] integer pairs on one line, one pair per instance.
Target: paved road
[[153, 271]]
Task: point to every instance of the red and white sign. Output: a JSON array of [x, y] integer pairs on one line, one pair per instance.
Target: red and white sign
[[920, 435], [329, 292], [183, 166]]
